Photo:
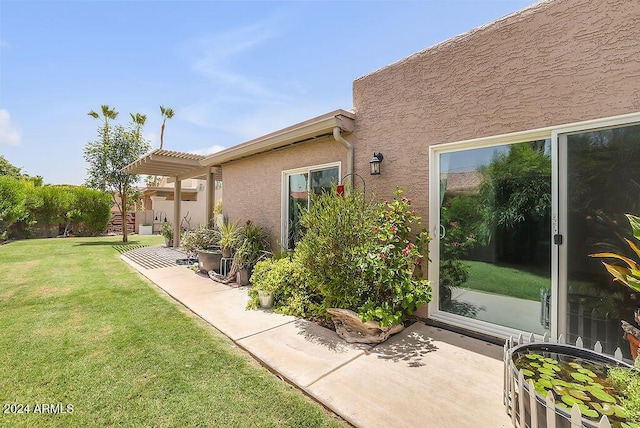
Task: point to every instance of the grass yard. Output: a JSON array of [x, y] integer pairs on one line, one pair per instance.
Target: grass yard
[[505, 280], [81, 329]]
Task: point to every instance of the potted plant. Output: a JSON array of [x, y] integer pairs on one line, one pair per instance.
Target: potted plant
[[628, 275], [268, 279], [253, 244], [203, 242], [167, 232], [228, 237]]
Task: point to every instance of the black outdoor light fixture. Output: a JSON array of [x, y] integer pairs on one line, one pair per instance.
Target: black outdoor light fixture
[[374, 163]]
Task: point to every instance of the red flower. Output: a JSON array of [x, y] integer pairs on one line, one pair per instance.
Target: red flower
[[393, 228], [406, 251]]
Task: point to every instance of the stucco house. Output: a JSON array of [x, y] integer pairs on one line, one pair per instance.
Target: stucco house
[[533, 120]]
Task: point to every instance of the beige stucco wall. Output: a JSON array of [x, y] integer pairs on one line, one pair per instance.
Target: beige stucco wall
[[252, 186], [557, 62]]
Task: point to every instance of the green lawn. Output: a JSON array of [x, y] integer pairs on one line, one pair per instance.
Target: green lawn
[[505, 280], [79, 327]]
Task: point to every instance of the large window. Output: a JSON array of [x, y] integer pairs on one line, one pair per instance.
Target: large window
[[298, 187]]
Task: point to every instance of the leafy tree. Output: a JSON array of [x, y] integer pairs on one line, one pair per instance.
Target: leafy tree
[[6, 168], [115, 148], [108, 113], [13, 198]]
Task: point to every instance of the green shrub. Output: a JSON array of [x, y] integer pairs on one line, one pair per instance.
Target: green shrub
[[338, 229], [287, 280], [13, 199], [270, 276], [90, 211], [363, 256]]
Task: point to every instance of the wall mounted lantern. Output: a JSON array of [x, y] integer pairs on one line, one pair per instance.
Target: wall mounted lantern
[[374, 163]]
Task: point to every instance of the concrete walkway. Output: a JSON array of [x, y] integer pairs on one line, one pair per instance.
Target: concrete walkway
[[423, 376]]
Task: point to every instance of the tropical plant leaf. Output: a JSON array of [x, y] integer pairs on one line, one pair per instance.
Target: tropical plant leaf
[[635, 225], [619, 273], [633, 247], [632, 264]]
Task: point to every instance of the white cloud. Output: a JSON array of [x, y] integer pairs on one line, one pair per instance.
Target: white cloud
[[208, 150], [215, 57], [9, 134]]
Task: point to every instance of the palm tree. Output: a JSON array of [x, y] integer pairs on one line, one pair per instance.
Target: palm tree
[[138, 121], [107, 113], [167, 113]]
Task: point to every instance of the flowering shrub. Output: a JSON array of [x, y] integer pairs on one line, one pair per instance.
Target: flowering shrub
[[391, 265], [354, 255], [362, 256]]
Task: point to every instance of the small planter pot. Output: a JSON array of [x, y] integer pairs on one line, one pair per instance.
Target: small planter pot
[[146, 229], [242, 277], [168, 242], [209, 260], [266, 299]]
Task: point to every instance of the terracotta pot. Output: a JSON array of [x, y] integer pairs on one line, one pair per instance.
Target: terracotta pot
[[634, 342]]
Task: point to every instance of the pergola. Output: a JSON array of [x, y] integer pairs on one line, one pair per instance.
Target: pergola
[[180, 166]]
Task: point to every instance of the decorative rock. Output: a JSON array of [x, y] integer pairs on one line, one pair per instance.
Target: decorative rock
[[353, 330]]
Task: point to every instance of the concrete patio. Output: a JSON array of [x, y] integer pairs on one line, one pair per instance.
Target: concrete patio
[[423, 376]]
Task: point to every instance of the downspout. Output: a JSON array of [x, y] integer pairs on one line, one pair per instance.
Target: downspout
[[338, 137]]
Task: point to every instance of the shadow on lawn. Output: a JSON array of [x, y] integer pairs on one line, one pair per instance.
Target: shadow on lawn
[[114, 243]]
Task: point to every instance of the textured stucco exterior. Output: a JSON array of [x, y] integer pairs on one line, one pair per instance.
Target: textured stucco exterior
[[554, 63], [252, 186]]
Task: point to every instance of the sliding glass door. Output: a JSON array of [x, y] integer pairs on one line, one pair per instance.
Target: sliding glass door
[[494, 246], [514, 221], [299, 186], [600, 183]]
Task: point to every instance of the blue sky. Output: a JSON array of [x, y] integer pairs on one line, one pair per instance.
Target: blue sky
[[232, 71]]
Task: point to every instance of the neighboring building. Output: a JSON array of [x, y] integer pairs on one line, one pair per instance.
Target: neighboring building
[[523, 134], [158, 202]]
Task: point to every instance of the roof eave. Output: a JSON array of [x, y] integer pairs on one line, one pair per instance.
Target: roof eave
[[313, 128]]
